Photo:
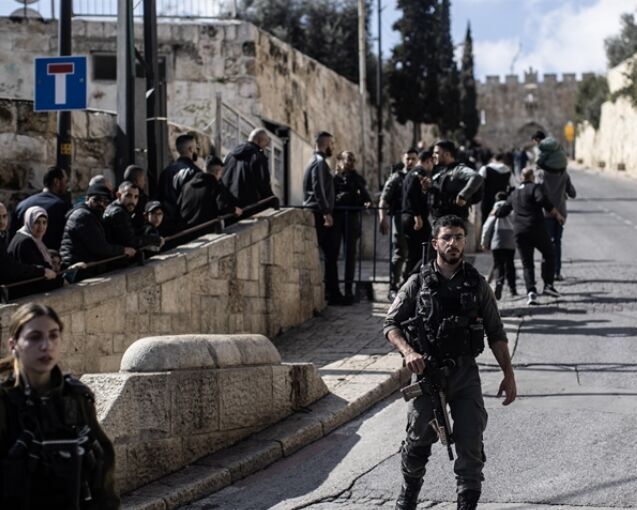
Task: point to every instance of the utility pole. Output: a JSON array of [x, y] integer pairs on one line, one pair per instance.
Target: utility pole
[[64, 142], [362, 79], [379, 102], [155, 114], [125, 88]]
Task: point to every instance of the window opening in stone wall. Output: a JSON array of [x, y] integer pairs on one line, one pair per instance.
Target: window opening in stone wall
[[105, 67]]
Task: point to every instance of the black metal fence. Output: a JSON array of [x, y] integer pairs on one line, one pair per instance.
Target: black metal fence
[[189, 9]]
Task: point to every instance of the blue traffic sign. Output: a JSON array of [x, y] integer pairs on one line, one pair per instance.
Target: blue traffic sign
[[60, 83]]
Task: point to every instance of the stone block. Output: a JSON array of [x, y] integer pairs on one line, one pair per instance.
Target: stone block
[[194, 482], [218, 287], [196, 258], [174, 296], [30, 122], [97, 290], [170, 267], [78, 322], [149, 300], [244, 458], [194, 402], [137, 325], [148, 460], [8, 114], [102, 125], [246, 397], [222, 246], [108, 317], [198, 445], [109, 363], [79, 124], [160, 324], [67, 299], [293, 433]]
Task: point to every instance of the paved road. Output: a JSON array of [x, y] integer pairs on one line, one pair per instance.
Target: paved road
[[569, 440]]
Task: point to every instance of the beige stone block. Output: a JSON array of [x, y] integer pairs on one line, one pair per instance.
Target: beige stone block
[[148, 460], [97, 290], [228, 267], [196, 258], [242, 233], [110, 363], [260, 230], [218, 287], [108, 317], [244, 264], [293, 433], [169, 268], [124, 341], [198, 445], [194, 482], [183, 323], [266, 251], [174, 296], [245, 458], [160, 323], [223, 246], [249, 289], [194, 398], [149, 300], [67, 299], [282, 390], [137, 324], [245, 397], [236, 323], [78, 322], [101, 126], [131, 302], [139, 277]]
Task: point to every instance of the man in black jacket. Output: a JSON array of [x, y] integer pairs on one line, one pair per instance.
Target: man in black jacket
[[118, 220], [456, 186], [137, 175], [10, 269], [245, 171], [528, 200], [203, 198], [415, 210], [174, 177], [84, 238], [53, 200], [318, 194]]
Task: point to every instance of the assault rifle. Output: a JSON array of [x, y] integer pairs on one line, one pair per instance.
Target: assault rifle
[[431, 382]]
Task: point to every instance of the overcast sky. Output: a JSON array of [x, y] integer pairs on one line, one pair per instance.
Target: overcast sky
[[552, 36]]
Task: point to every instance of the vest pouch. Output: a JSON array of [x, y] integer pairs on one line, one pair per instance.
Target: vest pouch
[[61, 469], [476, 337], [453, 337]]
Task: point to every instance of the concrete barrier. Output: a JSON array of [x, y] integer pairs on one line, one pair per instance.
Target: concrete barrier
[[179, 398]]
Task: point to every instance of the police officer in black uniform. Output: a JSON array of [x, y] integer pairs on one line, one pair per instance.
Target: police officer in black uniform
[[53, 453], [455, 307]]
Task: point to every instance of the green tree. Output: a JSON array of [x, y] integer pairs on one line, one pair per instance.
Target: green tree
[[623, 45], [591, 94], [413, 66], [470, 118], [448, 79]]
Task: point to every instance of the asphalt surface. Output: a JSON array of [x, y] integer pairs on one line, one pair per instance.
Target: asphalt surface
[[569, 439]]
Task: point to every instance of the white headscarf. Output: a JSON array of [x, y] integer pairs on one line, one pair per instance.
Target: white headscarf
[[30, 217]]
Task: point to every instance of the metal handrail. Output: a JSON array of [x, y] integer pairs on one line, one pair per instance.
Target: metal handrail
[[82, 266]]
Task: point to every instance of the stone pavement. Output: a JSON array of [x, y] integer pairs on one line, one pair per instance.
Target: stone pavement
[[357, 364]]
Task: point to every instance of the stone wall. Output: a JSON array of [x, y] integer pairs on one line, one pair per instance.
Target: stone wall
[[514, 109], [262, 276], [611, 147], [179, 398], [28, 147], [256, 74]]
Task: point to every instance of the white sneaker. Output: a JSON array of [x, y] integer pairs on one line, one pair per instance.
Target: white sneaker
[[532, 300], [549, 290]]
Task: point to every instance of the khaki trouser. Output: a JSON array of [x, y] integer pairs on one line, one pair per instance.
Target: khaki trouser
[[464, 395]]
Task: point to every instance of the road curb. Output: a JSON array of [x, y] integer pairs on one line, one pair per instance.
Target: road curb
[[361, 382]]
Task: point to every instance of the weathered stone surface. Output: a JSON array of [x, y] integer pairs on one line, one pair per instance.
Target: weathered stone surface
[[241, 408], [198, 351]]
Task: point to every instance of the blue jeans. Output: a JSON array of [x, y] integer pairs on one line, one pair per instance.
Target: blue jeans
[[555, 230]]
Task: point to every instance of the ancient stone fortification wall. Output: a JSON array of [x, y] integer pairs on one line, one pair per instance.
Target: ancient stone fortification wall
[[514, 109], [256, 74], [612, 147], [263, 276], [28, 147], [179, 398]]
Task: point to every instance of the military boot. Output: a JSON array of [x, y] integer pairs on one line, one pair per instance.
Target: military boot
[[468, 500], [408, 497]]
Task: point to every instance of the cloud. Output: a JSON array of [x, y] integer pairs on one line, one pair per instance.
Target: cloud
[[568, 38]]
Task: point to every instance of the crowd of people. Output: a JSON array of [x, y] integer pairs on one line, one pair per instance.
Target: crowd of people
[[47, 240]]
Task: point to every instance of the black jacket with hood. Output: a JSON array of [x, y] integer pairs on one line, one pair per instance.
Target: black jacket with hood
[[246, 174]]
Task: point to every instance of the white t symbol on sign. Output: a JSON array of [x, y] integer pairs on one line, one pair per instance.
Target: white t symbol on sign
[[60, 70]]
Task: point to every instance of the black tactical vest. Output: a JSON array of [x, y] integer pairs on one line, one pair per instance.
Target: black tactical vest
[[451, 312], [53, 459]]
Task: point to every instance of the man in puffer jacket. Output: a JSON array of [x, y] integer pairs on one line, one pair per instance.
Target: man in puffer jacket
[[552, 156], [499, 237]]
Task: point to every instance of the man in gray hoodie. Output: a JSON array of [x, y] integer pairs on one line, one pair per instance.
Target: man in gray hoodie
[[557, 186]]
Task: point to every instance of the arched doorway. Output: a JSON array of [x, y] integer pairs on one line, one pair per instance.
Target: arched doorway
[[523, 135]]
